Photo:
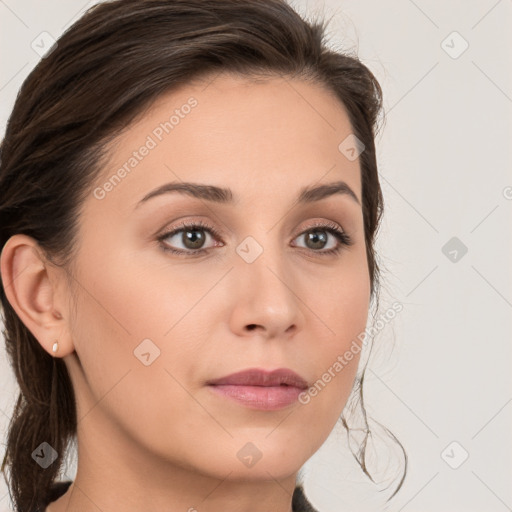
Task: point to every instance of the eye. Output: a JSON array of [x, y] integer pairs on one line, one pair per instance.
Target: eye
[[191, 236], [317, 238]]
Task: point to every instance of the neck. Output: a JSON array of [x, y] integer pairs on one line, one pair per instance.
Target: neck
[[117, 475]]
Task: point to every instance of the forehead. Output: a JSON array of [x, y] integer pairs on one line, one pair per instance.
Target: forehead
[[254, 136]]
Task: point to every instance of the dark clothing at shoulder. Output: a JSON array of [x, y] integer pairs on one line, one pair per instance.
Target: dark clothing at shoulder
[[299, 501], [56, 491]]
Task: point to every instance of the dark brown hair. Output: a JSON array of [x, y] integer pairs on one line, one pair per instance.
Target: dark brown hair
[[105, 71]]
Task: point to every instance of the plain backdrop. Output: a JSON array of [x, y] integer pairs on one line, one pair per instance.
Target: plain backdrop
[[441, 377]]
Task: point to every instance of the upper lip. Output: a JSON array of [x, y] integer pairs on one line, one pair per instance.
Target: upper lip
[[260, 377]]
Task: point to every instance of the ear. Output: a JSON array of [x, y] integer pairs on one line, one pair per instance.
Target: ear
[[35, 289]]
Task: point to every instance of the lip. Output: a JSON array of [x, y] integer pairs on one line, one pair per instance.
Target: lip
[[261, 389]]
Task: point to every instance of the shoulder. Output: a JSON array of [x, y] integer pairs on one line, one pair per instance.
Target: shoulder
[[299, 501]]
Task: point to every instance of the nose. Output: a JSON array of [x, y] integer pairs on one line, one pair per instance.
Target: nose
[[264, 300]]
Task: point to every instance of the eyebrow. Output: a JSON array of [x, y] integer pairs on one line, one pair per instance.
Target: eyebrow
[[225, 195]]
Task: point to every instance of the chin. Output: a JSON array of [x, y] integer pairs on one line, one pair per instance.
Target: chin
[[264, 457]]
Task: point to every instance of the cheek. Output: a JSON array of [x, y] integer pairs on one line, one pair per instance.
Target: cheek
[[341, 302], [132, 298], [127, 309], [344, 306]]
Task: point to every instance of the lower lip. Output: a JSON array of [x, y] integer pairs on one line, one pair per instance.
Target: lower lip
[[260, 397]]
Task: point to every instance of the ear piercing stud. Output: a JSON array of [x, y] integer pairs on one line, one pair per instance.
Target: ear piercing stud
[[55, 347]]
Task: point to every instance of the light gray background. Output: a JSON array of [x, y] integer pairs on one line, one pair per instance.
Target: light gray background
[[443, 369]]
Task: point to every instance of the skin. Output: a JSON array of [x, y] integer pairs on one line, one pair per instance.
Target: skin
[[155, 437]]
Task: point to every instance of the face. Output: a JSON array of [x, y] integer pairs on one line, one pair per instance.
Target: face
[[174, 289]]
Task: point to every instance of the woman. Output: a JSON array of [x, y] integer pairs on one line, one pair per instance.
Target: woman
[[188, 204]]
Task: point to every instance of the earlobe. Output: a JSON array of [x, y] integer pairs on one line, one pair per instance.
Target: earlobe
[[30, 291]]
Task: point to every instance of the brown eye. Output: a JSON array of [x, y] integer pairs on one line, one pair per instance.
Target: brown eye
[[188, 239], [317, 239]]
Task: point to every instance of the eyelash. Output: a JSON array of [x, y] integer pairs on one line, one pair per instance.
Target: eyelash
[[343, 238]]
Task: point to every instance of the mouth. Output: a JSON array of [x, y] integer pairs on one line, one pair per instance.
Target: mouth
[[261, 389]]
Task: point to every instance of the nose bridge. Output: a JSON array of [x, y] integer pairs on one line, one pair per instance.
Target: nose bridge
[[265, 294]]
